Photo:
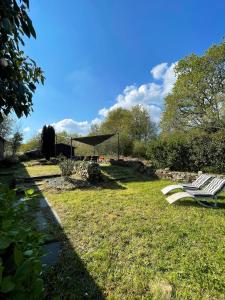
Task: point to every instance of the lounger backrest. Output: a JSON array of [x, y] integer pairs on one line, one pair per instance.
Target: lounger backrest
[[214, 186], [201, 180]]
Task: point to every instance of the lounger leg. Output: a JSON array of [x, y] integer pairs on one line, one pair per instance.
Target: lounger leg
[[208, 205]]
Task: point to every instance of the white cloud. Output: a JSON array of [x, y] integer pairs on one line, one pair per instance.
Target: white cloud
[[150, 95], [72, 126], [159, 70], [26, 129]]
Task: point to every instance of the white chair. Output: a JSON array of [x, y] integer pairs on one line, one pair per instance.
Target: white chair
[[209, 191], [195, 185]]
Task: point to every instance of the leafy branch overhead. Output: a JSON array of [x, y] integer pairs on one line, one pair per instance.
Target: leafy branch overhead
[[19, 74]]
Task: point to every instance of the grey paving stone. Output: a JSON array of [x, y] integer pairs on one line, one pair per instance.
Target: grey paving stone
[[43, 203], [52, 251], [42, 223]]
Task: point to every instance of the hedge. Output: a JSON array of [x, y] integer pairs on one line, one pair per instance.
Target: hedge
[[204, 152]]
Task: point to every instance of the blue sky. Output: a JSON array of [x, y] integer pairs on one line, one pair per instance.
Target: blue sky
[[102, 54]]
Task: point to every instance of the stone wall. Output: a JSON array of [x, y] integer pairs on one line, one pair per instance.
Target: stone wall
[[177, 176], [181, 176], [143, 167], [136, 165]]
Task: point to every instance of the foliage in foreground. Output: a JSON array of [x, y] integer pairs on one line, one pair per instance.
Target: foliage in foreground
[[20, 266], [19, 74]]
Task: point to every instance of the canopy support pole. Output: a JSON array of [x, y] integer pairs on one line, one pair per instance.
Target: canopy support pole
[[118, 145], [71, 147]]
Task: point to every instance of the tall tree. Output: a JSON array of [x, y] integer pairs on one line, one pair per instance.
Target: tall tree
[[48, 141], [16, 141], [118, 120], [198, 97], [132, 125], [6, 126], [142, 128], [19, 74]]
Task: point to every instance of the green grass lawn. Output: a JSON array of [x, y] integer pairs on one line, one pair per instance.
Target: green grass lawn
[[39, 170], [134, 245], [124, 241]]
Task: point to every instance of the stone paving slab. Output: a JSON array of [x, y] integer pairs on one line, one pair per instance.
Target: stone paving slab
[[44, 203], [51, 256], [42, 223]]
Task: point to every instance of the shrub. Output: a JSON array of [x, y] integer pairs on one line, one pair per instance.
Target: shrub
[[20, 266], [67, 167], [204, 152], [171, 152], [208, 152], [139, 149], [89, 170]]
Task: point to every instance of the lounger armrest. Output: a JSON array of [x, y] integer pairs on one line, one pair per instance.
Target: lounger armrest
[[170, 188], [177, 196]]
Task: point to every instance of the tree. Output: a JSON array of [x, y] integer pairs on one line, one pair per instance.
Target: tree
[[142, 128], [48, 141], [31, 144], [6, 127], [118, 120], [132, 125], [19, 74], [16, 141], [198, 97]]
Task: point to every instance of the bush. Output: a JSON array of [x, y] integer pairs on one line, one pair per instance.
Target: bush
[[89, 171], [67, 167], [20, 266], [139, 149], [204, 152], [208, 152], [173, 153]]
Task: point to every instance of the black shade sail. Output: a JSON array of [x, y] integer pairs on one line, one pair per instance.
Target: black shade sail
[[93, 140]]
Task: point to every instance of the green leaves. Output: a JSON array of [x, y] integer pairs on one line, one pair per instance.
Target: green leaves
[[29, 193], [20, 70], [18, 256], [198, 97], [4, 242], [20, 252], [6, 25], [7, 285]]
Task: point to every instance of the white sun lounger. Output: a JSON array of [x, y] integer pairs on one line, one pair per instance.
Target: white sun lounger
[[195, 185], [210, 191]]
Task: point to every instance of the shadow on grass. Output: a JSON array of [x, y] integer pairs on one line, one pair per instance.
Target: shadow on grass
[[69, 278], [194, 203], [125, 174]]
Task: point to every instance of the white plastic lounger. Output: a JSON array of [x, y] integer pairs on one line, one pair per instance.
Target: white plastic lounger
[[210, 191], [195, 185]]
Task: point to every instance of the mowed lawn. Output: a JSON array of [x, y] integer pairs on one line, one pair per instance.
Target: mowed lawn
[[127, 242]]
